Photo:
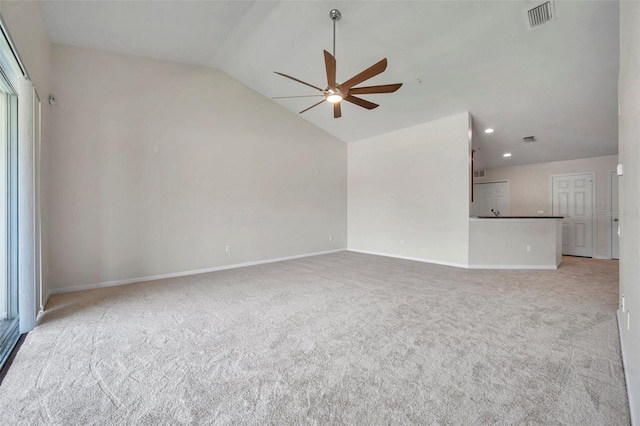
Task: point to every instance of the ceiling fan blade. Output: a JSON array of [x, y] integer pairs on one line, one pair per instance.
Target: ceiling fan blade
[[299, 81], [372, 71], [337, 111], [301, 96], [361, 102], [314, 105], [386, 88], [330, 65]]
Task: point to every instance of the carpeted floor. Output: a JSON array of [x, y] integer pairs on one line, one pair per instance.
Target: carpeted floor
[[345, 338]]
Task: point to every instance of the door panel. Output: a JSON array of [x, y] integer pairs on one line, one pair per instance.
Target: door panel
[[573, 198], [579, 202], [563, 204], [581, 235]]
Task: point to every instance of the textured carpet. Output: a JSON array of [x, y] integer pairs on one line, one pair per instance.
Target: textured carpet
[[345, 338]]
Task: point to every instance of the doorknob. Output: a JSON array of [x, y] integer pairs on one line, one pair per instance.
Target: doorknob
[[615, 220]]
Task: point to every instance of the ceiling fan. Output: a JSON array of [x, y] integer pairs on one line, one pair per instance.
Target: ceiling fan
[[336, 93]]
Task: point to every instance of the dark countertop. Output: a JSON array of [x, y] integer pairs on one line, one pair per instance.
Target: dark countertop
[[516, 217]]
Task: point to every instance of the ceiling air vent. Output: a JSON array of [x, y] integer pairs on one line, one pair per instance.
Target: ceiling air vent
[[478, 174], [528, 139], [542, 14]]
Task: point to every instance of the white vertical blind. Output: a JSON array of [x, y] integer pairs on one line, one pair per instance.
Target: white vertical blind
[[4, 208], [37, 246], [26, 208]]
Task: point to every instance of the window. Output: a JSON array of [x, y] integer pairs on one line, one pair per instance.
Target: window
[[9, 321], [19, 118]]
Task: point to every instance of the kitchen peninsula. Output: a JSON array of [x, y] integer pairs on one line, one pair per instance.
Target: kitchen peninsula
[[515, 242]]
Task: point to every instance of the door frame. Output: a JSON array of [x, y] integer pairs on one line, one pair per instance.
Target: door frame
[[612, 174], [593, 204]]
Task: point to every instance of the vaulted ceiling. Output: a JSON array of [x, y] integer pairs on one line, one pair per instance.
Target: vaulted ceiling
[[557, 82]]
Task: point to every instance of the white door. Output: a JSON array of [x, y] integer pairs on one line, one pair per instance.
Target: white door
[[487, 196], [613, 216], [573, 199]]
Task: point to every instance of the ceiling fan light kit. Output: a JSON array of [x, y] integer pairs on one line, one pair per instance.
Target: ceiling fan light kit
[[335, 93]]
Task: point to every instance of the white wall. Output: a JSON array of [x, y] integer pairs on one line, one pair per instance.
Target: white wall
[[502, 243], [629, 151], [409, 192], [529, 190], [24, 22], [158, 166]]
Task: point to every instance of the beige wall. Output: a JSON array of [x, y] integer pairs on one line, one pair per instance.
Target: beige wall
[[529, 190], [409, 192], [629, 150], [158, 166], [24, 22]]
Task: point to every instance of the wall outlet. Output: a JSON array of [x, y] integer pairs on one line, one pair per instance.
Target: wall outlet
[[540, 212], [228, 249], [529, 247], [401, 241], [330, 238]]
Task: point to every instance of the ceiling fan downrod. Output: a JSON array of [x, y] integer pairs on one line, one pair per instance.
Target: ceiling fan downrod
[[335, 15]]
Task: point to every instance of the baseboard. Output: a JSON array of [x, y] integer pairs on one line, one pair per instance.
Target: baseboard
[[601, 257], [179, 274], [417, 259], [44, 303], [457, 265], [630, 390], [529, 267]]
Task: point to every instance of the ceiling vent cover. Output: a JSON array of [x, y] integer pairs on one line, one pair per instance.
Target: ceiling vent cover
[[528, 139], [478, 174], [542, 14]]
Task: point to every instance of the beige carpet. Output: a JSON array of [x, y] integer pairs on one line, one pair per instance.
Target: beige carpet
[[344, 338]]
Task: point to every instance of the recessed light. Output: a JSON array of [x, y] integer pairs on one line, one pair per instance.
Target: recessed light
[[506, 154], [489, 130]]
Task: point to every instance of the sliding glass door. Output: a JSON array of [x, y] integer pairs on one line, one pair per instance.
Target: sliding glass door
[[9, 327]]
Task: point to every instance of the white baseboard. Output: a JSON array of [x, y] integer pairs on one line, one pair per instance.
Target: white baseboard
[[179, 274], [417, 259], [530, 267], [456, 265], [44, 302], [630, 390], [598, 256]]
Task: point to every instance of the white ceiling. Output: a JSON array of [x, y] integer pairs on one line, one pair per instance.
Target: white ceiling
[[557, 82]]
